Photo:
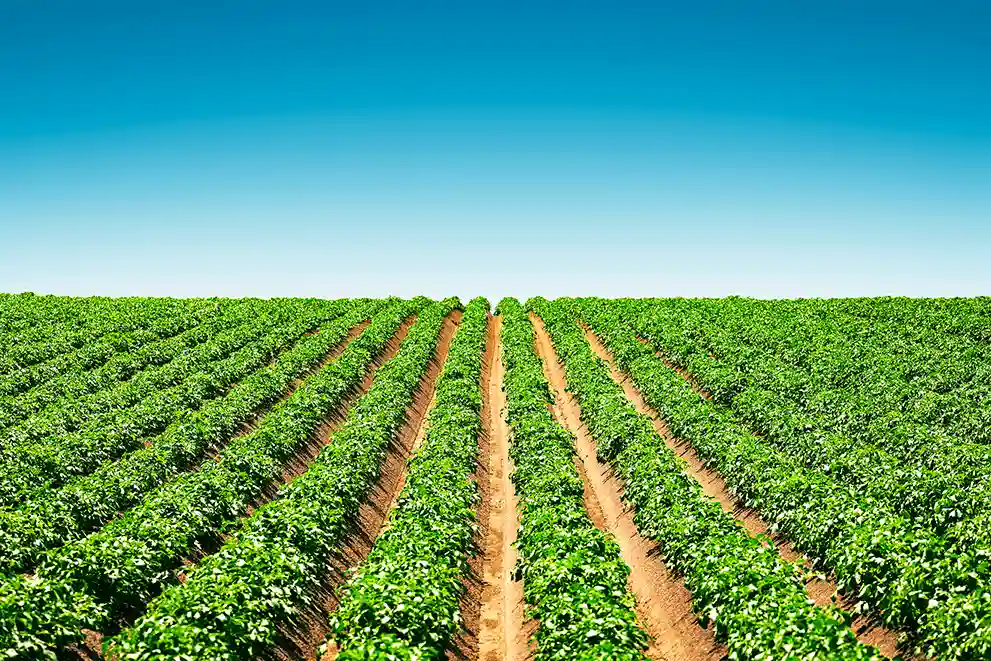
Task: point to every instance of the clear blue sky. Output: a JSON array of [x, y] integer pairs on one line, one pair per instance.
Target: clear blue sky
[[767, 148]]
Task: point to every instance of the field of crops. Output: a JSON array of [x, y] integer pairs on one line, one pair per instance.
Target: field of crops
[[679, 479]]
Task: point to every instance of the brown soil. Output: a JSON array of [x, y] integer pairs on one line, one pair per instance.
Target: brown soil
[[303, 636], [492, 607], [821, 589], [502, 634], [91, 649], [664, 606]]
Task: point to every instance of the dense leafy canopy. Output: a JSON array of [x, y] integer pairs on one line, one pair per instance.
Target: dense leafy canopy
[[143, 443], [574, 579], [754, 598], [122, 565], [230, 605]]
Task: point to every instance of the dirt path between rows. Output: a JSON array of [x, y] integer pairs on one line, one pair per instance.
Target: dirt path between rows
[[501, 635], [664, 606], [375, 509], [820, 589]]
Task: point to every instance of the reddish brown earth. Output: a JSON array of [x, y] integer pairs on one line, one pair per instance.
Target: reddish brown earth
[[821, 589], [502, 634], [492, 606]]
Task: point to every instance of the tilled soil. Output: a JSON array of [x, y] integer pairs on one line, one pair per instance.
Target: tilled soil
[[502, 634], [492, 606]]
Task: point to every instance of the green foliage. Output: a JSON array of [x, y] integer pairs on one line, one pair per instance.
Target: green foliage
[[55, 517], [890, 400], [232, 603], [132, 558], [907, 575], [47, 328], [49, 449], [574, 578], [755, 600], [859, 428], [403, 601], [97, 365]]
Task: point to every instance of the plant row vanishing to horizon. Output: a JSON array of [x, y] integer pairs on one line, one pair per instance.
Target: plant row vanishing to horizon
[[146, 447]]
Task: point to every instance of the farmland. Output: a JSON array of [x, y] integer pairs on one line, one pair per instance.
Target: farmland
[[579, 478]]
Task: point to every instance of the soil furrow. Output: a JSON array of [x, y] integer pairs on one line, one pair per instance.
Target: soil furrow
[[311, 628], [664, 606], [501, 632], [465, 644], [820, 589]]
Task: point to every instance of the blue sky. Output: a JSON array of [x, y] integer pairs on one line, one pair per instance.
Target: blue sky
[[289, 148]]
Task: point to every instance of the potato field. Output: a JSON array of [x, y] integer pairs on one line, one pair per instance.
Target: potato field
[[583, 478]]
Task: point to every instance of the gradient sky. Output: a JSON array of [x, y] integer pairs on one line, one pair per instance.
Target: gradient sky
[[764, 148]]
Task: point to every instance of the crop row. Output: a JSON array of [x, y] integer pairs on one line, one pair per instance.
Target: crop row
[[96, 408], [97, 319], [940, 500], [941, 350], [111, 359], [87, 409], [28, 318], [963, 317], [755, 600], [120, 357], [403, 601], [920, 399], [56, 516], [903, 574], [232, 603], [38, 329], [32, 465], [86, 583], [59, 375], [574, 579]]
